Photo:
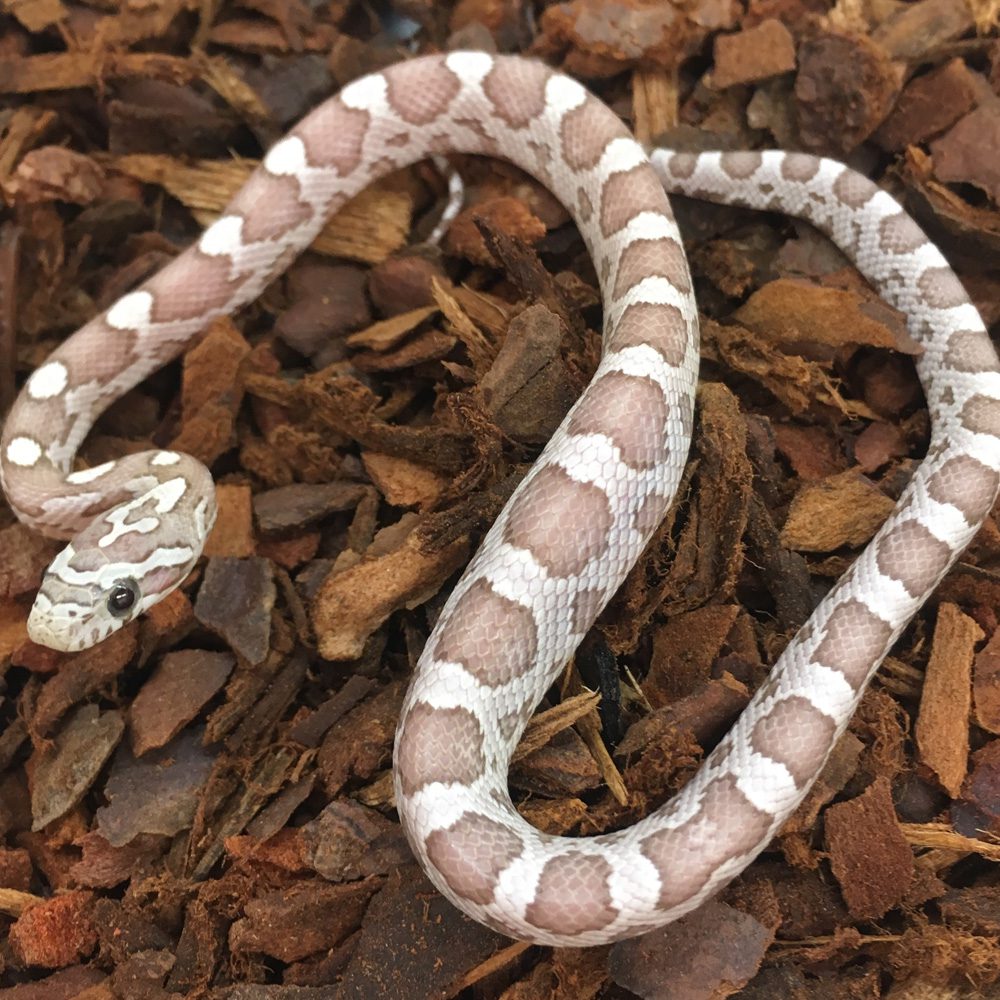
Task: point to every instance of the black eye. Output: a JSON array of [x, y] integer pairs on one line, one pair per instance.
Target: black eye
[[123, 597]]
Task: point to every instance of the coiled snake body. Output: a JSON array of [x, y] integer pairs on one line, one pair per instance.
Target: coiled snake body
[[582, 515]]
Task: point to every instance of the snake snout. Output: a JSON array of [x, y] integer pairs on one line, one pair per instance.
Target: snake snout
[[48, 627]]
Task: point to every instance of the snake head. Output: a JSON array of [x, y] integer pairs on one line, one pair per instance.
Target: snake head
[[120, 565]]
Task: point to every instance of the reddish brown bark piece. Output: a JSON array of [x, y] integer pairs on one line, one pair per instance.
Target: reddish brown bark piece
[[878, 444], [103, 866], [56, 933], [986, 684], [14, 642], [142, 974], [964, 155], [212, 392], [303, 504], [232, 534], [928, 105], [706, 714], [711, 952], [845, 86], [292, 552], [684, 650], [167, 621], [401, 482], [510, 215], [562, 767], [431, 345], [809, 903], [179, 687], [282, 849], [813, 452], [386, 334], [869, 855], [889, 385], [309, 729], [24, 554], [53, 173], [942, 728], [795, 313], [361, 742], [90, 671], [326, 301], [402, 283], [15, 868], [766, 50], [603, 39], [312, 917]]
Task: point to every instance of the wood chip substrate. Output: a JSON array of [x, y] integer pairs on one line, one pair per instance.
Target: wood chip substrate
[[202, 806]]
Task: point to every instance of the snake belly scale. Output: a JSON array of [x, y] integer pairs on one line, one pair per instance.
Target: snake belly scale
[[581, 516]]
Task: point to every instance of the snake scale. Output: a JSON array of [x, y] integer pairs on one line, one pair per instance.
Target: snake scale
[[581, 516]]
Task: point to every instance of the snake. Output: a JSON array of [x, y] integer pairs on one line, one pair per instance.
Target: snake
[[580, 517]]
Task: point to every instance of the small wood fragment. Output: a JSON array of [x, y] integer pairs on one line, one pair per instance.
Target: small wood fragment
[[844, 509], [942, 727], [765, 50]]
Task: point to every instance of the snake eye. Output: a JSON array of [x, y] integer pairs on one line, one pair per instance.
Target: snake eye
[[123, 597]]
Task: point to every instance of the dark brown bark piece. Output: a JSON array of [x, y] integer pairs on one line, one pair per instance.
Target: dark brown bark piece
[[303, 504], [326, 301], [64, 985], [707, 953], [235, 601], [411, 935], [157, 793], [527, 390], [348, 841], [62, 775], [361, 741], [313, 917]]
